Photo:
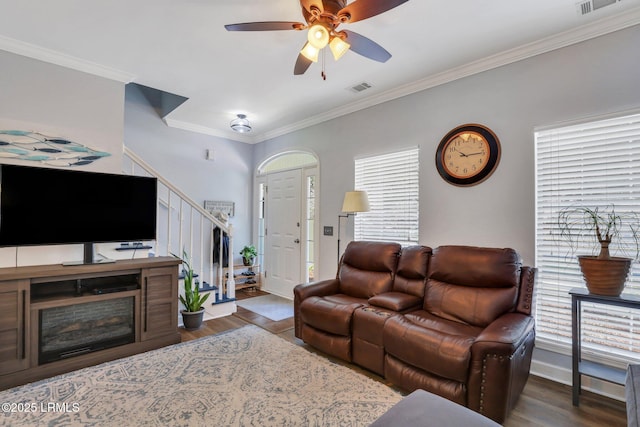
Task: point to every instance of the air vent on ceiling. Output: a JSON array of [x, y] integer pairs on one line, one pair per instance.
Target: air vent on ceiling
[[360, 87], [589, 6]]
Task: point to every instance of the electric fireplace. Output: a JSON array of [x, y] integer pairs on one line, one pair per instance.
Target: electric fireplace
[[76, 329]]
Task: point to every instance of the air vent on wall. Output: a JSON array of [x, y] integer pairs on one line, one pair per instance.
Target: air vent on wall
[[360, 87], [589, 6]]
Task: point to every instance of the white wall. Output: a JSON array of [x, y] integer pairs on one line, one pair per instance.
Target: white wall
[[595, 77], [587, 79], [179, 156], [42, 97], [91, 110], [62, 102]]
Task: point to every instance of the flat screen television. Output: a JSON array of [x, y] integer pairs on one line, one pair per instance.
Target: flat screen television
[[44, 206]]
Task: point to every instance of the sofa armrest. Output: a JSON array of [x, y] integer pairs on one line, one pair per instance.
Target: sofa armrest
[[306, 290], [500, 363], [316, 289], [504, 334], [528, 277], [396, 301]]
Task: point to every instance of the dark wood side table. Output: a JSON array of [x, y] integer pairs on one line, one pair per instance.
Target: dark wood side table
[[583, 367]]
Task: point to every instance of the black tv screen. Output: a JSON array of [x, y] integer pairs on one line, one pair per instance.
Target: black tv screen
[[42, 206]]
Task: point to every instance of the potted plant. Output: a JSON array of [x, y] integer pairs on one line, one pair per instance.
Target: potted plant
[[606, 230], [192, 300], [248, 253]]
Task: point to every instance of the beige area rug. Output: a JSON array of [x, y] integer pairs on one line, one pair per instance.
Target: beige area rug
[[270, 306], [244, 377]]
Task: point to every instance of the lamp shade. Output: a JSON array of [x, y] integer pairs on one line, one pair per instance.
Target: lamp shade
[[338, 47], [355, 201], [318, 36], [310, 52]]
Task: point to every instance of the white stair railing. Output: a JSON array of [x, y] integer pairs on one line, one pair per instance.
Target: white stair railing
[[184, 225]]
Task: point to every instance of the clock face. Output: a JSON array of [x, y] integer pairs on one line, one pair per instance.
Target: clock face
[[468, 155]]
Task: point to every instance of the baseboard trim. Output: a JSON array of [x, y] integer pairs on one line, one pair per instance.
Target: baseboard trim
[[563, 376]]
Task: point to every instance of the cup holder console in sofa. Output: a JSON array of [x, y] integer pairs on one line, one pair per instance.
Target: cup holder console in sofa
[[455, 321]]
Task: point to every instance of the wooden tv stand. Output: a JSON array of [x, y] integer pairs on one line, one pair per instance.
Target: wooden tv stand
[[25, 291]]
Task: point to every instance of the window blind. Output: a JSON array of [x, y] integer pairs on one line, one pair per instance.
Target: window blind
[[593, 164], [391, 183]]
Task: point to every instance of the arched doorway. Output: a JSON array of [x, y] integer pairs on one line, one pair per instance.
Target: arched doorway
[[287, 228]]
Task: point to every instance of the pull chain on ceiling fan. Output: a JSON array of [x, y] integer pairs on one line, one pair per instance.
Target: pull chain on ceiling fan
[[322, 19]]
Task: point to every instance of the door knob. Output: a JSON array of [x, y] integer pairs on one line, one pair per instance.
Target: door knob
[[297, 241]]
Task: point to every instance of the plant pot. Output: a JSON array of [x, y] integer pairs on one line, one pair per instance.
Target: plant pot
[[247, 261], [192, 320], [604, 276]]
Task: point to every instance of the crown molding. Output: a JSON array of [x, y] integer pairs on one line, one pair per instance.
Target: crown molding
[[548, 44], [53, 57], [588, 31], [192, 127]]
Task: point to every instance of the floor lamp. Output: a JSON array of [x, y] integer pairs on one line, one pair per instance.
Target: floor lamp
[[354, 202]]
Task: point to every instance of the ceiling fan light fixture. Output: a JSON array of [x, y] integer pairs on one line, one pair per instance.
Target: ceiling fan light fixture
[[241, 124], [338, 47], [321, 19], [318, 36], [310, 52]]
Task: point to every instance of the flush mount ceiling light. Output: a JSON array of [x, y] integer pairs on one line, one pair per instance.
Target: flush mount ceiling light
[[241, 124]]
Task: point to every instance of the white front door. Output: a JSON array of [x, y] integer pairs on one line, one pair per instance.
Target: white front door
[[283, 224]]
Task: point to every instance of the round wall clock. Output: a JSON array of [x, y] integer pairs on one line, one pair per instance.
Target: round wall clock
[[468, 155]]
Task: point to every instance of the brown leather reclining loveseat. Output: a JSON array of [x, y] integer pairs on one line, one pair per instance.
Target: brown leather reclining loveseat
[[455, 321]]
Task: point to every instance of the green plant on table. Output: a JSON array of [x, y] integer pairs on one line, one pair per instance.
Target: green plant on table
[[249, 252], [601, 227]]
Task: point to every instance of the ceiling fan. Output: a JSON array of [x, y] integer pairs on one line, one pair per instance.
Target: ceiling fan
[[322, 20]]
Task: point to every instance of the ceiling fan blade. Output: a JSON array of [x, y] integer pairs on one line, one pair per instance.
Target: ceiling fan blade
[[302, 64], [366, 47], [363, 9], [307, 4], [265, 26]]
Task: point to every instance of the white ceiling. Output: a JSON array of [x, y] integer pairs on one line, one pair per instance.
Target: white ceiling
[[182, 47]]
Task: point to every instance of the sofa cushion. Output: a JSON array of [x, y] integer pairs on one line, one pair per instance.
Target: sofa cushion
[[335, 345], [441, 353], [427, 320], [412, 270], [396, 301], [344, 299], [328, 316], [368, 268], [472, 285], [362, 283], [409, 281], [409, 378], [464, 304], [476, 267]]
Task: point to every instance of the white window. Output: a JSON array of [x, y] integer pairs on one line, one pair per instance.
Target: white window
[[309, 274], [391, 183], [593, 164]]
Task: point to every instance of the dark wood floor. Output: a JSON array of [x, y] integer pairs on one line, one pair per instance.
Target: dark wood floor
[[543, 403]]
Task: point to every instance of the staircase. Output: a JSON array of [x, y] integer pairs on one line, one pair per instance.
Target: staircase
[[183, 225]]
